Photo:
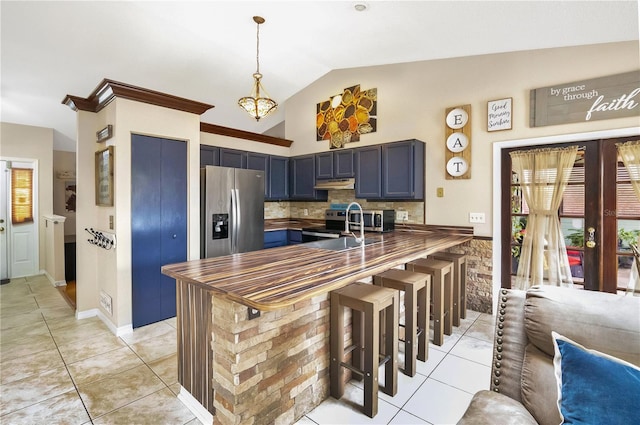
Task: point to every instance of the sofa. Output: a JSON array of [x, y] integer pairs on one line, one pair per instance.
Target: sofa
[[525, 381]]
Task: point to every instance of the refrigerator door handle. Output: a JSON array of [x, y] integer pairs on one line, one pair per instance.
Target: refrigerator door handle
[[238, 217], [234, 221]]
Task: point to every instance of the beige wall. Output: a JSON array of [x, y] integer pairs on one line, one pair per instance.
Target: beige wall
[[412, 99], [63, 161], [33, 143], [111, 270]]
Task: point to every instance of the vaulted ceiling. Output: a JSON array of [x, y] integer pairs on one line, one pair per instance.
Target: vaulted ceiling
[[206, 50]]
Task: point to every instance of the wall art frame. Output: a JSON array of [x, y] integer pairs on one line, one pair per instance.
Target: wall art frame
[[104, 177], [500, 114]]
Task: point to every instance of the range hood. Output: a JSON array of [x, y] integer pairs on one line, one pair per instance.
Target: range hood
[[335, 184]]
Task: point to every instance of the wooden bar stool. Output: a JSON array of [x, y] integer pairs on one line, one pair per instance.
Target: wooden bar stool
[[441, 281], [367, 302], [459, 283], [416, 287]]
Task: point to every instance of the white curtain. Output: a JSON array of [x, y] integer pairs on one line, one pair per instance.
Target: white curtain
[[543, 176], [630, 153]]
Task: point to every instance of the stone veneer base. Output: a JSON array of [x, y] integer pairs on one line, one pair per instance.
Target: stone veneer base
[[272, 369]]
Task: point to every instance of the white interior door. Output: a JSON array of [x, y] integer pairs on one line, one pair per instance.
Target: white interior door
[[22, 238], [4, 196]]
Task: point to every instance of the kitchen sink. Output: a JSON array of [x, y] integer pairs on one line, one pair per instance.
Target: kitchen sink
[[339, 244]]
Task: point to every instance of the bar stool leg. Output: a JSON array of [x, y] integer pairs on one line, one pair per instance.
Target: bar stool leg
[[423, 320], [448, 302], [337, 347], [357, 338], [391, 349], [371, 339], [463, 290], [456, 294], [410, 332], [438, 308]]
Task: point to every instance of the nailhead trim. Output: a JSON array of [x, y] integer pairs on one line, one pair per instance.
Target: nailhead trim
[[498, 346]]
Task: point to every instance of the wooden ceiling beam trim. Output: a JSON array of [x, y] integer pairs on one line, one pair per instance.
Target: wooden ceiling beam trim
[[241, 134]]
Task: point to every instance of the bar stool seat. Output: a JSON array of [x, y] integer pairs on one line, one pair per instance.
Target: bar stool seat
[[366, 302], [441, 281], [416, 287], [459, 283]]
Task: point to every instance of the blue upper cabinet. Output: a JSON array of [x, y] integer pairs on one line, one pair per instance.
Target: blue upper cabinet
[[343, 164], [403, 170], [209, 155], [390, 171], [233, 158], [324, 165], [334, 164], [303, 179], [368, 167], [278, 178], [260, 161]]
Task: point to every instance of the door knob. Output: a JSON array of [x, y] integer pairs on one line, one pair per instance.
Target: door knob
[[591, 237], [175, 236], [1, 220], [1, 229]]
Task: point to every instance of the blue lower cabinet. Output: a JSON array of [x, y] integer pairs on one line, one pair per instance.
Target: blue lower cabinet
[[275, 238], [294, 236]]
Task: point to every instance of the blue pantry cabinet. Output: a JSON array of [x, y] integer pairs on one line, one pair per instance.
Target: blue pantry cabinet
[[158, 224]]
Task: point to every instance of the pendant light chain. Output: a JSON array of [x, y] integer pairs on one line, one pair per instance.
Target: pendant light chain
[[257, 106], [258, 49]]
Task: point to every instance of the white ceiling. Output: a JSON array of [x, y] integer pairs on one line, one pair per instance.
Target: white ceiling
[[205, 50]]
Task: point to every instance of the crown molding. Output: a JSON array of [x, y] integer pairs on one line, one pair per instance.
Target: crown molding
[[108, 90]]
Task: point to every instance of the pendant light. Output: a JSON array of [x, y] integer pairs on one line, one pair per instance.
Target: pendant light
[[258, 107]]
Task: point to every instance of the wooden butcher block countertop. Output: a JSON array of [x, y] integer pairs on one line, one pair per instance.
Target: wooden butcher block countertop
[[274, 278]]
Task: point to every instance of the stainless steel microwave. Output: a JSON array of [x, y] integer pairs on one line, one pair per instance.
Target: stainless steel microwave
[[374, 220]]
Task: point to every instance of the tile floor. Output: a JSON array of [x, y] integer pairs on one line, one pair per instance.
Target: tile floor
[[55, 369]]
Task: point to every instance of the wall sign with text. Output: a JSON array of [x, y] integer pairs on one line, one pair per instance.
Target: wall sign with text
[[614, 96], [458, 142], [499, 114]]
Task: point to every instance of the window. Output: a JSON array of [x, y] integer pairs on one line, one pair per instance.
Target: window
[[21, 195]]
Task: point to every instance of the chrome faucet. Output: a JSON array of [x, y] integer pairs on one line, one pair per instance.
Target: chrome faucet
[[359, 240]]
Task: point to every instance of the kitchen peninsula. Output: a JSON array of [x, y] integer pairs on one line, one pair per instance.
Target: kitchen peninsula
[[274, 367]]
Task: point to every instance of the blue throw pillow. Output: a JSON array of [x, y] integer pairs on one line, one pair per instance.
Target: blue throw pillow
[[593, 387]]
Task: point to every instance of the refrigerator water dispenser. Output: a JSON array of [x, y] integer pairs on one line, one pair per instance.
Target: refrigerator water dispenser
[[220, 224]]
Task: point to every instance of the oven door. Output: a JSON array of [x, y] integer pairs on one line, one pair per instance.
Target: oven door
[[315, 235]]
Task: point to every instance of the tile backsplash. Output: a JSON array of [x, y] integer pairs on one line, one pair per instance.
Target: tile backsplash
[[315, 210]]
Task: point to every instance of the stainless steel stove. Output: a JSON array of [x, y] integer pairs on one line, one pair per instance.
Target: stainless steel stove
[[334, 221]]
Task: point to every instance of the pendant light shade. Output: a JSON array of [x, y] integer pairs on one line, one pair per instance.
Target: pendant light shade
[[257, 106]]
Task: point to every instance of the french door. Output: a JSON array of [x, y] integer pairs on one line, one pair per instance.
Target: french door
[[599, 216]]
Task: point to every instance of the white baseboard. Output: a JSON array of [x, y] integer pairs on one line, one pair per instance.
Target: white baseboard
[[117, 331], [195, 407], [53, 281]]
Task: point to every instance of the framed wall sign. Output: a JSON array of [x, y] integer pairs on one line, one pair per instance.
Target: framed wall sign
[[458, 145], [499, 114], [104, 134], [104, 177]]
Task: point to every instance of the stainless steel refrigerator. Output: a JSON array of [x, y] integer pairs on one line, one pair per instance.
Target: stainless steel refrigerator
[[231, 211]]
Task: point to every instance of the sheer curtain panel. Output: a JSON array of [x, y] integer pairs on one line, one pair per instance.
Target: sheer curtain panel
[[630, 153], [543, 176]]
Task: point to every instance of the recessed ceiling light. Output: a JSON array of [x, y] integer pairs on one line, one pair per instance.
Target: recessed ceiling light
[[360, 7]]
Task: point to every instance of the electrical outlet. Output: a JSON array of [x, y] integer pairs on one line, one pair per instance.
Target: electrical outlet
[[305, 212], [402, 215], [105, 302], [476, 218]]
